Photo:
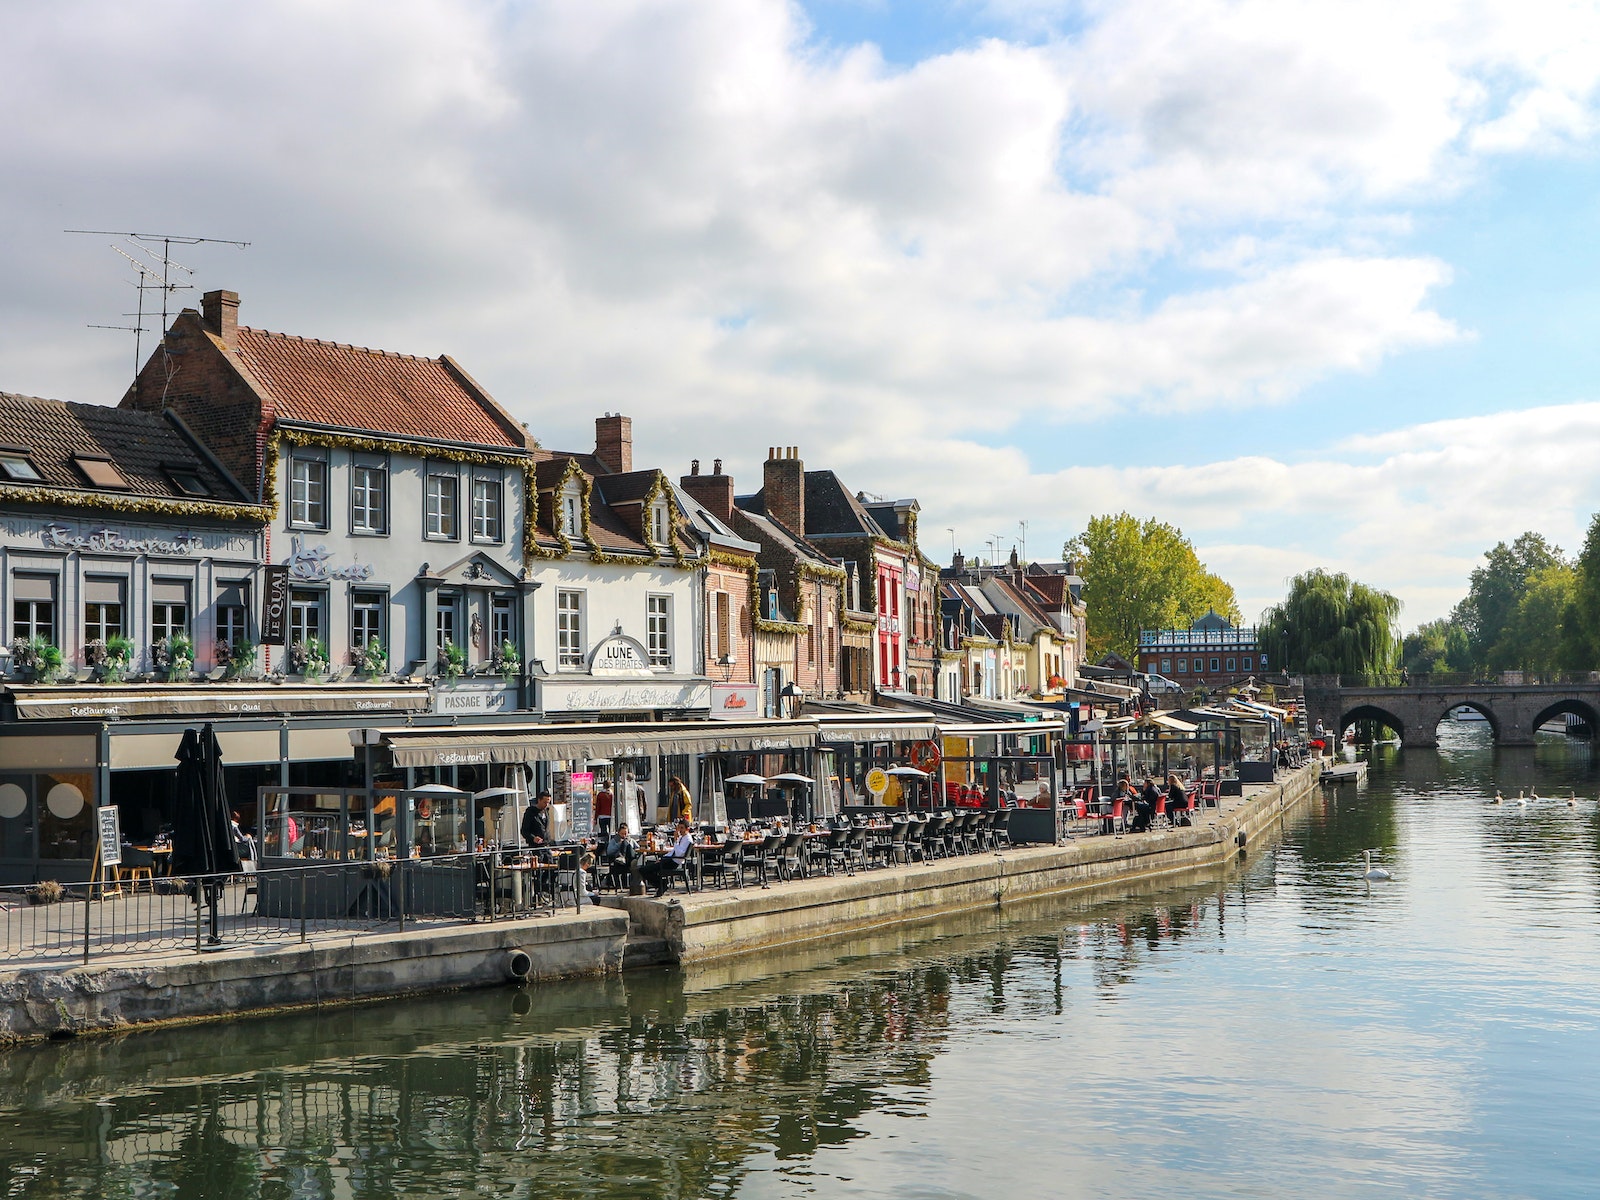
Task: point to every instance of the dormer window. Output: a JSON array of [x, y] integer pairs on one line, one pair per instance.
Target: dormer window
[[100, 471], [658, 523], [188, 482], [15, 465], [571, 512]]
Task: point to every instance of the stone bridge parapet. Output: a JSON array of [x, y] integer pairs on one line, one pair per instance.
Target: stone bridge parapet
[[1514, 711]]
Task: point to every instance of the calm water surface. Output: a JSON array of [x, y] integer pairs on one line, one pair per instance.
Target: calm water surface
[[1281, 1030]]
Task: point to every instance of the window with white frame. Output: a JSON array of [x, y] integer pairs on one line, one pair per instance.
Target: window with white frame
[[571, 511], [502, 620], [169, 608], [305, 616], [367, 612], [569, 628], [486, 490], [233, 615], [446, 621], [440, 500], [369, 494], [658, 630], [33, 606], [308, 489], [102, 608], [658, 523]]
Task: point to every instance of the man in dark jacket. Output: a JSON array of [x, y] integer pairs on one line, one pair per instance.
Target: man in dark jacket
[[536, 821]]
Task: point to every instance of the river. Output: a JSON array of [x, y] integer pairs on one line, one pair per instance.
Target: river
[[1285, 1029]]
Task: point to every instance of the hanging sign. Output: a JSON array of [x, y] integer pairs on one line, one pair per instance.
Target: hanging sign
[[274, 604], [877, 781]]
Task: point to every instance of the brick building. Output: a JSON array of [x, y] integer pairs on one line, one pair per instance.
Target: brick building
[[1211, 653]]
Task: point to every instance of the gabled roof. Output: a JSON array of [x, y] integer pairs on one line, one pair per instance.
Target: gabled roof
[[148, 451], [616, 522], [832, 511], [350, 387], [707, 523], [781, 536]]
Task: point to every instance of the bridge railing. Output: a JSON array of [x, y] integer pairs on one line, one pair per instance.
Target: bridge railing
[[1466, 679]]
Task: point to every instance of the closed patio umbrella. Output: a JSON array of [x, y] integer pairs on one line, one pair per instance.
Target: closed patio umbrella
[[202, 830]]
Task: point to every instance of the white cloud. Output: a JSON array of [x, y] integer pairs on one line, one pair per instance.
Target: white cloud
[[696, 213]]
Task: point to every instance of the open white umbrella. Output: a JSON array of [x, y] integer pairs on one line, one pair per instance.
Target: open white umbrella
[[907, 771], [438, 789], [791, 777], [750, 779]]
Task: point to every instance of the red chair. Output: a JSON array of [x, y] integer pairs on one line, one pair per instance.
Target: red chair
[[1115, 819]]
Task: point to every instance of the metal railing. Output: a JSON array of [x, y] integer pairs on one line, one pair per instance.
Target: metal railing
[[161, 915]]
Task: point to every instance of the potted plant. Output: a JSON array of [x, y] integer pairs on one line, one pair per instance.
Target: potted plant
[[309, 658], [173, 656], [239, 658], [506, 661], [112, 665], [452, 660], [37, 658], [370, 660]]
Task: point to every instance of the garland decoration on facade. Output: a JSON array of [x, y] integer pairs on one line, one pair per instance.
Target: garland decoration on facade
[[854, 626], [827, 574], [65, 498], [381, 445]]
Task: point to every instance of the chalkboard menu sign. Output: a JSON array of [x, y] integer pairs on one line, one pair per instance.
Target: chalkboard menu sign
[[582, 804]]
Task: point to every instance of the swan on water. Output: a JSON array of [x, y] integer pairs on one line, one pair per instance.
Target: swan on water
[[1533, 794], [1498, 798], [1522, 798], [1373, 874], [1572, 798]]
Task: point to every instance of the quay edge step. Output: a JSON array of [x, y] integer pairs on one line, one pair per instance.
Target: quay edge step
[[641, 951]]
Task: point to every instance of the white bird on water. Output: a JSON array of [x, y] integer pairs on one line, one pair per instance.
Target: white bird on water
[[1533, 794], [1572, 798], [1522, 798], [1498, 798], [1373, 874]]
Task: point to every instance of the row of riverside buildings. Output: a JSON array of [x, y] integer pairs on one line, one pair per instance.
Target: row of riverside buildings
[[302, 541]]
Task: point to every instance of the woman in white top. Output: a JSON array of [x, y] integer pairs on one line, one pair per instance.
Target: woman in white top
[[659, 873]]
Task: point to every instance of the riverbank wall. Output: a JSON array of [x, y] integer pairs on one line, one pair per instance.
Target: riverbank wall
[[703, 928], [710, 925]]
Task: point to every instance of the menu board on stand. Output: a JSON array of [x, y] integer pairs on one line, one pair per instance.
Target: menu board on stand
[[582, 799]]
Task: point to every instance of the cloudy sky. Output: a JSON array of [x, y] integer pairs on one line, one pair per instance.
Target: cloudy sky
[[1315, 282]]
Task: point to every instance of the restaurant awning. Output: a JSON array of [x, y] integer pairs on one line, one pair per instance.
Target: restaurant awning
[[545, 743], [1166, 721], [866, 723], [1036, 728], [221, 700]]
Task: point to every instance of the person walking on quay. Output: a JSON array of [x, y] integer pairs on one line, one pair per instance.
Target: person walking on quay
[[659, 873], [680, 806]]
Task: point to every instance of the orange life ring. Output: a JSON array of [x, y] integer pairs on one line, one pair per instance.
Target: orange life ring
[[925, 756]]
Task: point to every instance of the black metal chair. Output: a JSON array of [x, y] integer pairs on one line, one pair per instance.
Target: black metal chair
[[792, 856], [898, 851], [999, 831], [933, 843]]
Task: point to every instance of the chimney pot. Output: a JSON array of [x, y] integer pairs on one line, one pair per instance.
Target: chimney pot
[[784, 488], [716, 467], [694, 466]]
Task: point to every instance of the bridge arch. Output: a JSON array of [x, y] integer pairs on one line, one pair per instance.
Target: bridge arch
[[1371, 712], [1477, 706], [1583, 711]]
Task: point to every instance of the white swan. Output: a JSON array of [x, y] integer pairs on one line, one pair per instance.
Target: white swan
[[1533, 794], [1522, 798], [1373, 874], [1572, 798], [1498, 798]]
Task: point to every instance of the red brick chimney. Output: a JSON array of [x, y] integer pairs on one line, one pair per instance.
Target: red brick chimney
[[220, 312], [714, 491], [613, 442], [783, 487]]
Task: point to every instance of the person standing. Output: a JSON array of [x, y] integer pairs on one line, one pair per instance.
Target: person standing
[[536, 821], [680, 806]]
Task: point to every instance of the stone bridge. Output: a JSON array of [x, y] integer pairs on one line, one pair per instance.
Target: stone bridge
[[1514, 712]]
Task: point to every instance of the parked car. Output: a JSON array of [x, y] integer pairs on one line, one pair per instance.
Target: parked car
[[1158, 685]]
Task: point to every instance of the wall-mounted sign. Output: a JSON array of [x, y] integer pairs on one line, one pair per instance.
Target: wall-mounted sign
[[315, 563], [582, 693], [473, 698], [274, 604], [619, 654], [877, 781], [95, 537], [735, 701]]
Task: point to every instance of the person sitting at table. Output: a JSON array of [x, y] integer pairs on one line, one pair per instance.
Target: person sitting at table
[[621, 852], [658, 874], [1177, 801], [586, 878], [1144, 806]]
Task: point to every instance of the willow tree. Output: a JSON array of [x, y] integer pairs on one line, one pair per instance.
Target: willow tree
[[1329, 624], [1142, 575]]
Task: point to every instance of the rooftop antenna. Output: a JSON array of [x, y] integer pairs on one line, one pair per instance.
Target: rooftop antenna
[[145, 248], [952, 534], [1023, 525]]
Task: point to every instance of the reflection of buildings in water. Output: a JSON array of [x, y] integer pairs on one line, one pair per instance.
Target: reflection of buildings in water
[[385, 1106]]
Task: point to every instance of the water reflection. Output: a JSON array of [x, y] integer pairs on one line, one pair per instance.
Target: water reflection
[[1279, 1026]]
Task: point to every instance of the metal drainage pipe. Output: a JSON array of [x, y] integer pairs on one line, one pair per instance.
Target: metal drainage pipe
[[518, 966]]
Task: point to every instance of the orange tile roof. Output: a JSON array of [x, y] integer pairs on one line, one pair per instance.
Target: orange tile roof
[[350, 387]]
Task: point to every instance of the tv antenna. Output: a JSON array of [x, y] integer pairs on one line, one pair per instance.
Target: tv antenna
[[145, 260]]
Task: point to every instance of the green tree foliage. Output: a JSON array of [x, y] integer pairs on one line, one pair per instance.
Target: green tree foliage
[[1142, 575], [1331, 625], [1493, 594], [1580, 624], [1531, 639], [1436, 646]]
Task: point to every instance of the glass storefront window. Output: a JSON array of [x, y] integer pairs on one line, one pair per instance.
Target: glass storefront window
[[66, 816], [16, 816]]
